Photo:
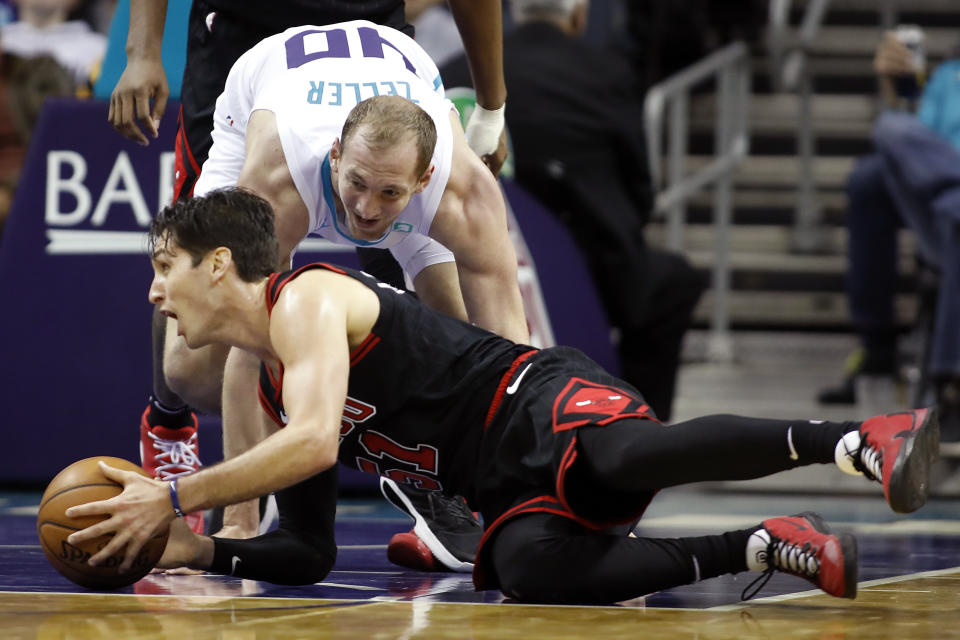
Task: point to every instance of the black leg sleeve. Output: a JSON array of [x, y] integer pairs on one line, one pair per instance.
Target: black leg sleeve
[[642, 455], [548, 558], [301, 551]]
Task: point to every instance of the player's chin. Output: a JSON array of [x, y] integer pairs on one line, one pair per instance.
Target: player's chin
[[195, 342]]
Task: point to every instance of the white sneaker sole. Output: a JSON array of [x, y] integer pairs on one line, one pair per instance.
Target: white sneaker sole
[[397, 498]]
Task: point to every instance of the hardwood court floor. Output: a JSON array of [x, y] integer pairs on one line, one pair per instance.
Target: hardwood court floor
[[909, 587]]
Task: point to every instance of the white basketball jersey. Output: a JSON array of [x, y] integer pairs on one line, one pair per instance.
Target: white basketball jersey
[[310, 77]]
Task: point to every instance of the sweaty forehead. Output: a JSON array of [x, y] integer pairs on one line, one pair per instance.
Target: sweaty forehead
[[164, 246]]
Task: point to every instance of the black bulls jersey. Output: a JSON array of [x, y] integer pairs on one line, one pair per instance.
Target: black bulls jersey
[[420, 387]]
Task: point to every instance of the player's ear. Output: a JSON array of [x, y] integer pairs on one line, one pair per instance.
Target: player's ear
[[335, 150], [424, 179], [220, 260]]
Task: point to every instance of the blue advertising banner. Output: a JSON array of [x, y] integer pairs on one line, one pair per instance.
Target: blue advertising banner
[[74, 275]]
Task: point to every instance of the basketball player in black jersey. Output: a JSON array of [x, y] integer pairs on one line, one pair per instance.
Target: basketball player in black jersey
[[550, 449], [219, 31]]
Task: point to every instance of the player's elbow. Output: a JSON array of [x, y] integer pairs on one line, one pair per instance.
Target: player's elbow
[[314, 561], [326, 458], [315, 565], [316, 452]]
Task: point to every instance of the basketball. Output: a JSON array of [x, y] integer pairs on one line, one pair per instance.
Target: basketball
[[79, 483]]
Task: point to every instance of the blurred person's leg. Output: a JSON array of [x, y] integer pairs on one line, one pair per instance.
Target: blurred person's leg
[[650, 353], [945, 343], [918, 167], [922, 172], [872, 223]]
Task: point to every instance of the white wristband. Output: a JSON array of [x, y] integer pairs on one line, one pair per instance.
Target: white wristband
[[483, 129]]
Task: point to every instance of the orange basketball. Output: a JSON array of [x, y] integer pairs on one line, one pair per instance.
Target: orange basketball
[[80, 483]]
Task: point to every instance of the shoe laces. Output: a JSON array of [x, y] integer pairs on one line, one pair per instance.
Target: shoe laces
[[452, 510], [787, 557], [868, 460], [176, 458]]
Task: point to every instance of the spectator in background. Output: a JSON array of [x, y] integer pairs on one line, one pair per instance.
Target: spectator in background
[[44, 27], [44, 54], [912, 179], [576, 123]]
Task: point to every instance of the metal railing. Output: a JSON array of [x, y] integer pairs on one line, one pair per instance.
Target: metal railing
[[788, 61], [670, 100]]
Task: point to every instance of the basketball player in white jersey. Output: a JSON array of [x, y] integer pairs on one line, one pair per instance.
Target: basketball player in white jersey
[[383, 181]]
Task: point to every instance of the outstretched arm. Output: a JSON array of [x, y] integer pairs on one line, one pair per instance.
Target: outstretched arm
[[308, 332], [143, 79], [480, 23]]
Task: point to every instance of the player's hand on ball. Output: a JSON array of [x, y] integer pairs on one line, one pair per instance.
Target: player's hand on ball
[[140, 511]]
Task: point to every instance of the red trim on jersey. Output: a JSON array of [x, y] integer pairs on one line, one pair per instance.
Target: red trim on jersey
[[273, 289], [502, 387], [569, 457], [267, 407], [183, 152], [364, 348], [276, 382], [278, 391], [189, 154]]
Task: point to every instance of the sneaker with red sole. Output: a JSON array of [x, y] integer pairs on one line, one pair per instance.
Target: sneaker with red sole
[[803, 545], [445, 534], [408, 550], [897, 450], [168, 453]]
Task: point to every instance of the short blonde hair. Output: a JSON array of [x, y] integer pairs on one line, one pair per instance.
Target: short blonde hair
[[387, 121]]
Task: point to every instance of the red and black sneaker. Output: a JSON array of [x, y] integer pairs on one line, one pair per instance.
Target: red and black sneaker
[[168, 453], [897, 450], [803, 545], [445, 534], [408, 550]]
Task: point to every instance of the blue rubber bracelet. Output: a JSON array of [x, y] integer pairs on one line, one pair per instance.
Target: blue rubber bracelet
[[175, 498]]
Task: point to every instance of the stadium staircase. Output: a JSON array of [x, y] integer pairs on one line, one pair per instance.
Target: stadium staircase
[[787, 306], [780, 281]]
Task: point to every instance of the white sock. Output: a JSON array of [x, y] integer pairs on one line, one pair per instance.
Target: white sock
[[846, 452], [757, 545]]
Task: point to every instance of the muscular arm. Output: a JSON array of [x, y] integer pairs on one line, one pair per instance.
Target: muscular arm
[[143, 79], [471, 221], [438, 287], [308, 332], [265, 172]]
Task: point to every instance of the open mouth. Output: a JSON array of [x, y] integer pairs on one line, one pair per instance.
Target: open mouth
[[365, 223]]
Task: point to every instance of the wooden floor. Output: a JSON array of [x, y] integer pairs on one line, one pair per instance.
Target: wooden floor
[[909, 584], [909, 587], [921, 607]]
